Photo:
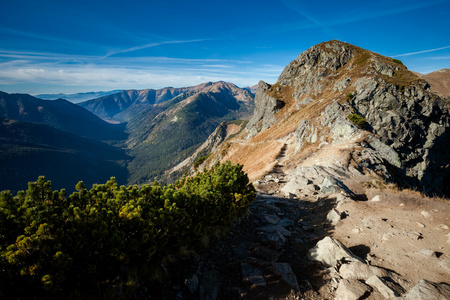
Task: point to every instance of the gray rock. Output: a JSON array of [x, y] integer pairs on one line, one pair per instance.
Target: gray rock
[[331, 185], [428, 253], [252, 274], [388, 289], [343, 130], [331, 252], [351, 289], [210, 285], [334, 217], [305, 133], [306, 73], [383, 68], [386, 152], [285, 270], [406, 233], [427, 290], [274, 228], [286, 222], [270, 219], [276, 239], [361, 271], [421, 225], [331, 113], [376, 199], [426, 214], [265, 109], [403, 122], [342, 85], [445, 264], [305, 101], [192, 283]]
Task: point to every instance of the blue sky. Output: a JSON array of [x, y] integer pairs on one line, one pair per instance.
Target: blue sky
[[52, 46]]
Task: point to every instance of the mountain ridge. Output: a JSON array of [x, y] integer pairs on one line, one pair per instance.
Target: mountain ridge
[[439, 81], [155, 137], [173, 129], [77, 97], [338, 150], [312, 98], [60, 114], [114, 107], [29, 150]]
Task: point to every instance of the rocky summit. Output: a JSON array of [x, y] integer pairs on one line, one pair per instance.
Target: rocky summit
[[345, 150], [403, 130]]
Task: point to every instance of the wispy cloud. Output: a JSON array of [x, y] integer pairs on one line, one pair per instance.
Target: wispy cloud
[[423, 51], [36, 56], [151, 45], [42, 72]]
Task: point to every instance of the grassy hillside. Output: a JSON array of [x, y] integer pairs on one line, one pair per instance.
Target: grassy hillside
[[28, 150], [168, 133], [160, 132]]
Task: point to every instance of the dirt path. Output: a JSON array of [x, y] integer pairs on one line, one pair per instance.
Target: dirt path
[[264, 255]]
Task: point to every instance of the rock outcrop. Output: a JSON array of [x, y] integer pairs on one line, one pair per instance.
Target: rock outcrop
[[339, 126], [336, 95], [265, 110]]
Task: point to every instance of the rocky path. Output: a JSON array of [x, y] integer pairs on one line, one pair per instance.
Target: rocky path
[[281, 249], [264, 255]]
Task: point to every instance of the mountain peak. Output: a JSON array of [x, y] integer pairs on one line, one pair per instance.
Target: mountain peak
[[439, 81], [317, 96]]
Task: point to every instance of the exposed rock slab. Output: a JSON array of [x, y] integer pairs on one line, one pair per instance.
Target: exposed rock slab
[[427, 290], [388, 289], [285, 270], [351, 289], [331, 252]]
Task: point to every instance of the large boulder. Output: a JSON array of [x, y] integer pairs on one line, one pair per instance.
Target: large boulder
[[332, 253], [427, 290]]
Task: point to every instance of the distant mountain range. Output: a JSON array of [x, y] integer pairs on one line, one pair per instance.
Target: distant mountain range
[[157, 130], [135, 135], [60, 114], [75, 98], [28, 150], [166, 133], [439, 81]]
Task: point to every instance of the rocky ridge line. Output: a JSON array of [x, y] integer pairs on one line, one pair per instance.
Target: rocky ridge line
[[331, 166]]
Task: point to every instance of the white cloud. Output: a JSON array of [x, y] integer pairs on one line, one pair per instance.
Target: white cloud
[[44, 72], [59, 77], [150, 45]]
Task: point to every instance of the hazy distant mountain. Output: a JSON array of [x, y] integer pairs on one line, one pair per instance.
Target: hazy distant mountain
[[60, 114], [76, 98], [28, 150], [51, 137], [439, 81], [168, 132], [120, 106], [252, 89]]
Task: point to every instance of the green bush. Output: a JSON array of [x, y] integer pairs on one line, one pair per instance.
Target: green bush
[[349, 96], [199, 161], [358, 120], [397, 61], [52, 245]]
